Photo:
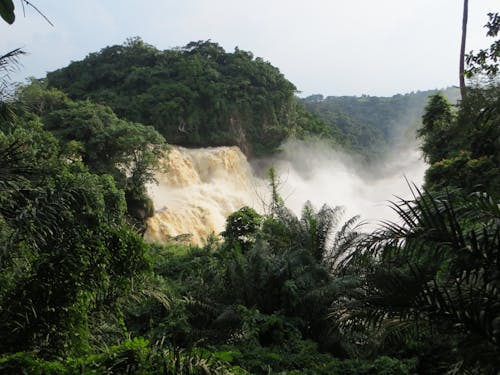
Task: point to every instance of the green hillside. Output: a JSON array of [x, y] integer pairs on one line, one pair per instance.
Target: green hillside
[[200, 95], [370, 125], [197, 95]]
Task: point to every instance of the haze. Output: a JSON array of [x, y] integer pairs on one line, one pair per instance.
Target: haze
[[321, 175], [331, 47]]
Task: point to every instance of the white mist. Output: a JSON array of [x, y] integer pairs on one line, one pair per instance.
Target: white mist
[[321, 175], [203, 186]]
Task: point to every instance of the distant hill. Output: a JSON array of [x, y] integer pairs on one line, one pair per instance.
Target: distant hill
[[371, 124]]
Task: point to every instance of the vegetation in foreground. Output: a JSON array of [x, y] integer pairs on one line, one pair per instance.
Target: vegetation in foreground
[[80, 292]]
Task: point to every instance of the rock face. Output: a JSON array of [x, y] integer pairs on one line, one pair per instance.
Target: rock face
[[199, 189]]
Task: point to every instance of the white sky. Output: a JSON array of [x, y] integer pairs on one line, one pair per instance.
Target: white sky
[[332, 47]]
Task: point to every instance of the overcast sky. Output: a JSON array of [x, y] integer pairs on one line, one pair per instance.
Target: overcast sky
[[332, 47]]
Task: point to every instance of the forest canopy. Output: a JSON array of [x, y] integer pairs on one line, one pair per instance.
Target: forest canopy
[[197, 95], [369, 125], [200, 95], [279, 292]]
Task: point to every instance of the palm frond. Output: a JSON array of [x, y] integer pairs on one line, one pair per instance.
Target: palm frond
[[438, 265]]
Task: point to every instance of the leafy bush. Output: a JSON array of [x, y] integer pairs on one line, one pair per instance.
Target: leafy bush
[[135, 356]]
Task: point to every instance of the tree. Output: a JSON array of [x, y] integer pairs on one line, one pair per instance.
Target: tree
[[433, 274], [195, 96], [435, 131], [486, 61], [462, 49], [65, 249], [462, 147], [242, 227], [92, 133]]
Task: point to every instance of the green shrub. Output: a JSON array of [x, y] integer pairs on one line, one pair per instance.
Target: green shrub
[[380, 366], [26, 363], [134, 356]]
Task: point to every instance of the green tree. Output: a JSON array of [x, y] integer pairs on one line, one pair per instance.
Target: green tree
[[370, 126], [129, 152], [65, 248], [463, 151], [242, 227], [432, 277], [436, 126], [486, 60]]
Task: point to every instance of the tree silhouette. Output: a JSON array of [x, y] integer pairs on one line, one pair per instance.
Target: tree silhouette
[[462, 49]]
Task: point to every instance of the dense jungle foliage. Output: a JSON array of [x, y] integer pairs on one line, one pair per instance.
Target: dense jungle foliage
[[201, 95], [94, 135], [463, 146], [370, 125], [198, 95], [82, 293]]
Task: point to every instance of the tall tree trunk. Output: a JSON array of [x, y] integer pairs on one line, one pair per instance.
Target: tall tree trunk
[[462, 49]]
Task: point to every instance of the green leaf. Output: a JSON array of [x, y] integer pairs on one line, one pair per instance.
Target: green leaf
[[7, 11]]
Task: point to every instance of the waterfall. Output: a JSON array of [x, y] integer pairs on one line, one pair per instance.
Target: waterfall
[[199, 189]]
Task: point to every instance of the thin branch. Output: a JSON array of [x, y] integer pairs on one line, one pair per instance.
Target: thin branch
[[37, 10]]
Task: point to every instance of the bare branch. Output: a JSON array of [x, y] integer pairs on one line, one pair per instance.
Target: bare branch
[[37, 10]]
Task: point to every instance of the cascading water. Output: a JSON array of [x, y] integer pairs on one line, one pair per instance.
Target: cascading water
[[203, 186], [200, 188]]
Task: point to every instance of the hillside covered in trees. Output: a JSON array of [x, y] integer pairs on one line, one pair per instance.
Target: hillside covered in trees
[[275, 293], [198, 95], [371, 125]]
